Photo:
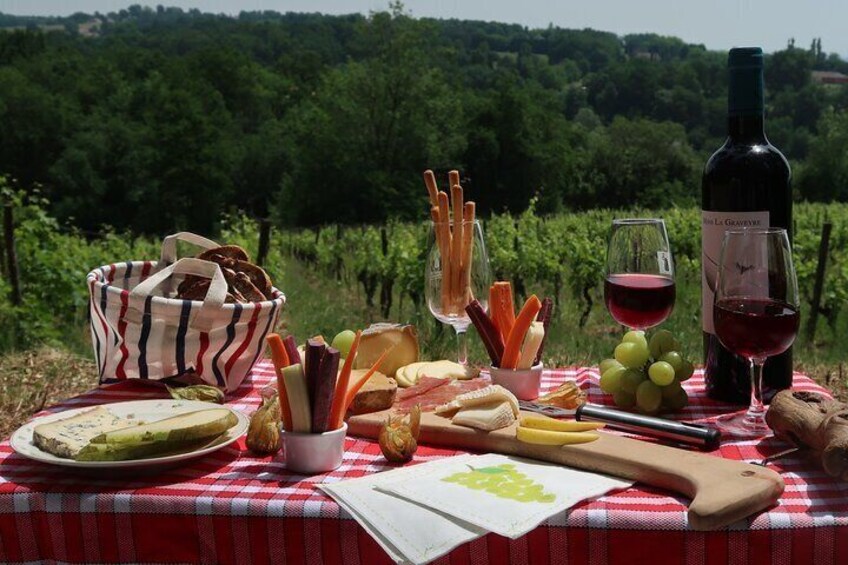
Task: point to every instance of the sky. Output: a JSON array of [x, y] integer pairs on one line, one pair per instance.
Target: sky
[[718, 24]]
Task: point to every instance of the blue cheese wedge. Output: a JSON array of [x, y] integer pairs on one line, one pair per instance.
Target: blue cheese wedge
[[65, 438]]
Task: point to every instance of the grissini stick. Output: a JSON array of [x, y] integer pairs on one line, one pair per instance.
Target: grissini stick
[[444, 245], [467, 250], [444, 226], [432, 187], [456, 249]]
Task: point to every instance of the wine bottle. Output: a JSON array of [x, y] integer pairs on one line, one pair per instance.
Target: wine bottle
[[746, 183]]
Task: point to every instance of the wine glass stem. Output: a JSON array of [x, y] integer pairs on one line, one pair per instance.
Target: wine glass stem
[[756, 410], [461, 347]]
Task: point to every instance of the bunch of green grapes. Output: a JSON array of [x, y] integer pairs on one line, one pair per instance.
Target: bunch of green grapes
[[503, 481], [647, 374]]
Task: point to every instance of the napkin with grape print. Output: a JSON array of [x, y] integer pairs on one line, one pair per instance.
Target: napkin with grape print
[[506, 495]]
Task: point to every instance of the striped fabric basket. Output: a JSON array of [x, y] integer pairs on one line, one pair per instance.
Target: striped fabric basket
[[138, 331]]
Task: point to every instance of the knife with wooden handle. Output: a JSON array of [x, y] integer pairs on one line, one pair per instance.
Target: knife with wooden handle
[[698, 435]]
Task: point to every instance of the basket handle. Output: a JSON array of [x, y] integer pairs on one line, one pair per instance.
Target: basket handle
[[168, 254], [212, 302]]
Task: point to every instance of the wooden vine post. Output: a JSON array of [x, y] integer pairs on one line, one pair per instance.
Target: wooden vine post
[[815, 306], [264, 240], [11, 253]]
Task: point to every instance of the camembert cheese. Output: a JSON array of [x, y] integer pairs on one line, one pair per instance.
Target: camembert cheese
[[65, 438]]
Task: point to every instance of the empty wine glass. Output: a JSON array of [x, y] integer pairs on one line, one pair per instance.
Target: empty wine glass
[[756, 311], [451, 284], [639, 287]]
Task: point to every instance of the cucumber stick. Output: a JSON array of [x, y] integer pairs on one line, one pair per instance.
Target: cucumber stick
[[298, 398], [185, 427], [532, 342]]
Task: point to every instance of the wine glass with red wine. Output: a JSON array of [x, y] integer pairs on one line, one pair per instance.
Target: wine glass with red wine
[[756, 311], [639, 286]]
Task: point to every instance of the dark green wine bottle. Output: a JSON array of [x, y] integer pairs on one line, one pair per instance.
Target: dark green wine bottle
[[747, 182]]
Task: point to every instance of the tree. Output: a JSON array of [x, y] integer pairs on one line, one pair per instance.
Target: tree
[[824, 176]]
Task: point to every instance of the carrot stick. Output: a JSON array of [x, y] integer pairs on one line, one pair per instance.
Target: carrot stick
[[509, 304], [338, 408], [502, 308], [354, 388], [493, 300], [432, 187], [444, 225], [453, 177], [512, 348], [456, 249], [281, 361]]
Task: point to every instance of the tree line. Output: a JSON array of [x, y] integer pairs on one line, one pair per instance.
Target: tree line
[[166, 119]]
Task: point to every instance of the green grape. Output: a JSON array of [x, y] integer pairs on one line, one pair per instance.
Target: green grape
[[547, 498], [611, 379], [631, 380], [673, 358], [685, 371], [662, 342], [661, 373], [634, 336], [648, 397], [678, 400], [608, 364], [624, 399], [631, 355], [343, 342], [669, 391]]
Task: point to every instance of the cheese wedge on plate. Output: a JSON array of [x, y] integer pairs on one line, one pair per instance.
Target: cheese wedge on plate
[[67, 437]]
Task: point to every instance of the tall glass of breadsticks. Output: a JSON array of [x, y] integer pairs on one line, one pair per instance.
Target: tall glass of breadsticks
[[457, 270]]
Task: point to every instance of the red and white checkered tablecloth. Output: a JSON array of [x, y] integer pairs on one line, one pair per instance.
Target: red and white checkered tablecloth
[[232, 507]]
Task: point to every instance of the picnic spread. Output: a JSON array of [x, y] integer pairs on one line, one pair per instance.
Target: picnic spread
[[360, 448]]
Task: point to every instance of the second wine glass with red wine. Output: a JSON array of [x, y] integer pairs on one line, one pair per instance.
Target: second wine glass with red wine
[[755, 311], [639, 287]]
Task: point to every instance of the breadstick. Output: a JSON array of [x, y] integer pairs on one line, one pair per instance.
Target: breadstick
[[444, 225], [457, 289], [441, 241], [432, 187], [467, 248]]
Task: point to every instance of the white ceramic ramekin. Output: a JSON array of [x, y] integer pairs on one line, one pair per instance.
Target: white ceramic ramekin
[[523, 383], [311, 454]]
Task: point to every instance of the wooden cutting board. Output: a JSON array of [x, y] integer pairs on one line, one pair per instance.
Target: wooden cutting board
[[722, 490]]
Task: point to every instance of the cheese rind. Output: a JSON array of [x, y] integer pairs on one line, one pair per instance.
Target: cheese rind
[[67, 437]]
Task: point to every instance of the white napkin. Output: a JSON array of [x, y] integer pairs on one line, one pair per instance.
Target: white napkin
[[408, 532], [506, 495]]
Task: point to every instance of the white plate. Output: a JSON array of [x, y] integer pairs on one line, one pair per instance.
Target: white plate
[[145, 410]]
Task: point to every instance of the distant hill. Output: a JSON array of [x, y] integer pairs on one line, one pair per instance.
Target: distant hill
[[158, 118]]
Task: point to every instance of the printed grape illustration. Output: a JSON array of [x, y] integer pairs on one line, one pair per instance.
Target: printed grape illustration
[[502, 481]]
